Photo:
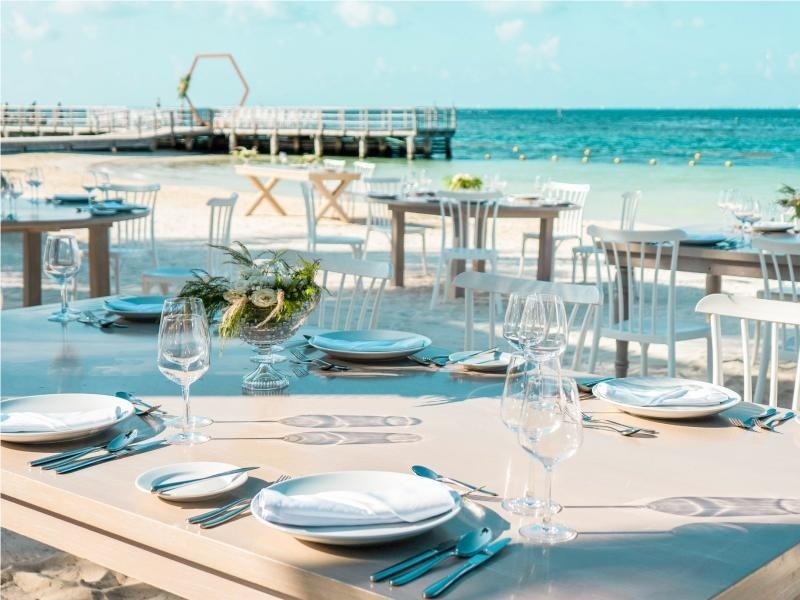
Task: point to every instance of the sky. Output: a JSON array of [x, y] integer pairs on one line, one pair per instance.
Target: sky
[[355, 53]]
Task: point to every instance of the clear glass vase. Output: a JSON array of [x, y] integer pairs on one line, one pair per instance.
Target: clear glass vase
[[265, 338]]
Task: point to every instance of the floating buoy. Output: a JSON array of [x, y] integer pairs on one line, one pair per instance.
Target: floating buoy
[[653, 161], [585, 159], [515, 149], [691, 163], [554, 158], [587, 152], [697, 156], [617, 160], [487, 156], [522, 157], [728, 163]]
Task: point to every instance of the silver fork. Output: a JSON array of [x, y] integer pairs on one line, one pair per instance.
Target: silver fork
[[750, 422], [590, 419], [771, 422], [299, 370], [223, 514], [626, 431], [317, 362]]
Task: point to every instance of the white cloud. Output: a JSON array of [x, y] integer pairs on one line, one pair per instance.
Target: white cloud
[[793, 62], [504, 6], [245, 12], [26, 30], [508, 30], [358, 13], [697, 22], [542, 56]]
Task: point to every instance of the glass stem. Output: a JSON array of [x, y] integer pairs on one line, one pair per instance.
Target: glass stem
[[186, 415], [64, 296], [548, 487], [530, 486]]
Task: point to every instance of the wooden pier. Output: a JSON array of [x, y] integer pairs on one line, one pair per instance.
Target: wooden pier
[[362, 132]]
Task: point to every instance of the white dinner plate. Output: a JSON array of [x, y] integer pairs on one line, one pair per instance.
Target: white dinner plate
[[526, 197], [357, 481], [136, 308], [605, 391], [117, 408], [771, 227], [496, 362], [345, 344], [192, 492]]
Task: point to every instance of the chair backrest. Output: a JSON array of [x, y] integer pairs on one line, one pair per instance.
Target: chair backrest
[[219, 230], [473, 216], [356, 287], [630, 206], [570, 222], [310, 201], [780, 261], [366, 170], [581, 302], [378, 210], [773, 313], [645, 308], [135, 233], [332, 163]]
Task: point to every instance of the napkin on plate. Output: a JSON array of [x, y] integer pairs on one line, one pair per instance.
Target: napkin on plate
[[33, 422], [71, 198], [335, 508], [413, 342], [125, 305], [664, 394]]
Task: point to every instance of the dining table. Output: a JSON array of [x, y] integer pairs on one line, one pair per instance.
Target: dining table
[[32, 220], [702, 509], [320, 178], [546, 214]]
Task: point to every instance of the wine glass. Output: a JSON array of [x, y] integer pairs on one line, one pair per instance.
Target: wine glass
[[102, 182], [184, 349], [550, 429], [543, 326], [516, 304], [34, 178], [747, 211], [62, 261], [89, 183]]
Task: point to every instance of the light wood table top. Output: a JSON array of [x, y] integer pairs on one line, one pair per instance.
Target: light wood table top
[[701, 510]]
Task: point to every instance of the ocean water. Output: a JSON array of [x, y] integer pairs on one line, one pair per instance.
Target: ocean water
[[762, 145]]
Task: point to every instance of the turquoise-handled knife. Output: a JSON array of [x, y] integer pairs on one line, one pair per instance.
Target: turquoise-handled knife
[[135, 449], [473, 563]]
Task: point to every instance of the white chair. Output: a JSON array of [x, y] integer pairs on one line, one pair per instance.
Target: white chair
[[773, 314], [313, 240], [356, 287], [627, 221], [569, 225], [650, 319], [133, 237], [474, 221], [582, 303], [219, 234], [379, 189], [357, 190]]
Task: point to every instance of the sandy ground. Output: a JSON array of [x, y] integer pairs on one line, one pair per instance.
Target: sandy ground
[[32, 570]]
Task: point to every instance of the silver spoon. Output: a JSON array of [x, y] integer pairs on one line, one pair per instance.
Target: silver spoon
[[468, 545], [116, 444], [431, 474]]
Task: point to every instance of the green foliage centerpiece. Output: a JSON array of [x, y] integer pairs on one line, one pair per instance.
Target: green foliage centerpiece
[[790, 199], [463, 181], [264, 305]]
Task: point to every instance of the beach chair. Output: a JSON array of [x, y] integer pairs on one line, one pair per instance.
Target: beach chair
[[379, 190], [627, 221], [473, 216], [582, 303], [634, 306], [313, 240], [773, 314], [569, 224], [357, 190], [219, 234]]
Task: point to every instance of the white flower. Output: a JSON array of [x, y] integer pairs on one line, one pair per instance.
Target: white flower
[[264, 298], [233, 295]]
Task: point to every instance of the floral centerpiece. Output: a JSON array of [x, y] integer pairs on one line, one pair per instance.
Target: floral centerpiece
[[245, 154], [463, 181], [790, 199]]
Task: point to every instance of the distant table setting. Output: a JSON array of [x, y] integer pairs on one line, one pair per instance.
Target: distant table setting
[[385, 465]]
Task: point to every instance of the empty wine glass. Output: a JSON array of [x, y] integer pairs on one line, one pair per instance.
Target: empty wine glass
[[550, 429], [543, 326], [516, 304], [89, 183], [62, 261], [103, 182], [747, 211], [34, 178], [184, 350]]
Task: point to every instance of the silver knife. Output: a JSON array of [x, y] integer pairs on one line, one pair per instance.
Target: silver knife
[[473, 563], [170, 485], [473, 355], [413, 560], [135, 449]]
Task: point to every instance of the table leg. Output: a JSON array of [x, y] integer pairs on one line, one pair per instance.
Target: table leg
[[31, 268], [99, 280], [265, 195], [398, 246], [713, 284], [332, 196], [621, 362], [544, 267]]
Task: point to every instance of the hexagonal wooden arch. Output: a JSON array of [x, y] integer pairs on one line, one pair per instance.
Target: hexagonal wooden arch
[[225, 55]]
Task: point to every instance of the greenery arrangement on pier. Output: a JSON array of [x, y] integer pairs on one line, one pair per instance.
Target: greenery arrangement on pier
[[266, 291], [183, 86], [463, 181], [790, 198], [244, 154]]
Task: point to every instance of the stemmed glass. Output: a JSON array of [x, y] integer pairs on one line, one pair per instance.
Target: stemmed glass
[[516, 304], [184, 350], [747, 211], [543, 326], [550, 429], [34, 178], [62, 261], [102, 182], [89, 183]]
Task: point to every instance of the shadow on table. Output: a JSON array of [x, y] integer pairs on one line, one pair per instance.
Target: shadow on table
[[490, 392], [716, 506], [336, 438], [332, 421]]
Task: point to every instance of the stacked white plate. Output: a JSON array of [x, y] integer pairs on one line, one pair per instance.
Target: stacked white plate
[[192, 492], [136, 308], [495, 362], [369, 344]]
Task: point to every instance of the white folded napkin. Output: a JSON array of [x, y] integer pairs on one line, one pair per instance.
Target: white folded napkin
[[663, 394], [413, 342], [124, 305], [33, 422], [334, 508]]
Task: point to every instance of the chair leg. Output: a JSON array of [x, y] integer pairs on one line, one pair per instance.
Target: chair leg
[[575, 266], [709, 359], [435, 295], [522, 257], [585, 265], [671, 366], [424, 255], [644, 348], [117, 274]]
